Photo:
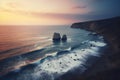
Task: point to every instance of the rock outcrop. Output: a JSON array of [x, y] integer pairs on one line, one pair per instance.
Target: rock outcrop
[[64, 38], [56, 37]]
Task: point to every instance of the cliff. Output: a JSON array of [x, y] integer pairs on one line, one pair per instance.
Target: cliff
[[108, 67], [109, 28]]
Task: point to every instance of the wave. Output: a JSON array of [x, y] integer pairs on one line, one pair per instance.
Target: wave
[[57, 62]]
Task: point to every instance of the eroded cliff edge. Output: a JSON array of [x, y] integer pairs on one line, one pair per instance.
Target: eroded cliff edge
[[109, 28], [108, 67]]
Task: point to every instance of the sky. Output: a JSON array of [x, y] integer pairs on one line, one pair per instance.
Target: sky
[[55, 12]]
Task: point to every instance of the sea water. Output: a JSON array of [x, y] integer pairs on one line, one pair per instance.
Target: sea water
[[28, 52]]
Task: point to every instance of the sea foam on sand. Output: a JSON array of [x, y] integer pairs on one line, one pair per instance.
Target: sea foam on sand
[[60, 64]]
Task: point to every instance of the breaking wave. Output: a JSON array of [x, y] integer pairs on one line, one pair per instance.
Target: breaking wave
[[58, 62]]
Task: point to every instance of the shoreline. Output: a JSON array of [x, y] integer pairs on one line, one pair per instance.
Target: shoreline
[[91, 60], [76, 74], [103, 68], [108, 66]]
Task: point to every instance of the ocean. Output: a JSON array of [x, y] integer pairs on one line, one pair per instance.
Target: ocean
[[28, 52]]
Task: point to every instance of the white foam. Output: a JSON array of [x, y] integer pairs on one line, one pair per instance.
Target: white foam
[[63, 63], [97, 43], [101, 37], [51, 54], [57, 65]]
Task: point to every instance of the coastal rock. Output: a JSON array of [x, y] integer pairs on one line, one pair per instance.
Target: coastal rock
[[107, 67], [56, 37], [64, 38], [109, 28]]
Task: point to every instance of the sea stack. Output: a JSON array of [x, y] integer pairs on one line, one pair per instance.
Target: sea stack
[[56, 37], [64, 38]]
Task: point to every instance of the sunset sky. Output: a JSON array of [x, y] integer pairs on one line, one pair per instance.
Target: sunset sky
[[54, 12]]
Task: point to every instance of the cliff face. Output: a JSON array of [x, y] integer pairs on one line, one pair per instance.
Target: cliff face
[[109, 28], [108, 67]]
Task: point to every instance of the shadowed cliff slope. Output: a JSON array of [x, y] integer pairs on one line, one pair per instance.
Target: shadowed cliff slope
[[108, 67]]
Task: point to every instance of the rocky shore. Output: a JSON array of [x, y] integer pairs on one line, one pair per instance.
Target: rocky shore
[[108, 67]]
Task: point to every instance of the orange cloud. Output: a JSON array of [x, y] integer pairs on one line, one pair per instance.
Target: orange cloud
[[40, 11], [13, 5]]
